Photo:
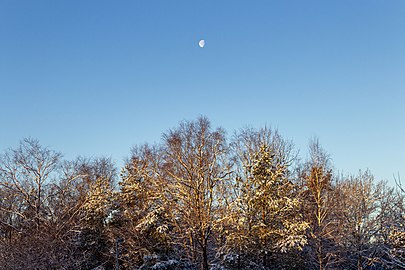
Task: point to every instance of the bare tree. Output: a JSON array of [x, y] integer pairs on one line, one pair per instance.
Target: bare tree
[[320, 201], [42, 206], [194, 168], [393, 212], [25, 172], [26, 175], [360, 220]]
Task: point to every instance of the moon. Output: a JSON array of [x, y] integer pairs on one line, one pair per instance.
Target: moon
[[201, 43]]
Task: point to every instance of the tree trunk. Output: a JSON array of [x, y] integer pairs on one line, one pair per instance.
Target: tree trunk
[[205, 257], [264, 258], [320, 255], [239, 259]]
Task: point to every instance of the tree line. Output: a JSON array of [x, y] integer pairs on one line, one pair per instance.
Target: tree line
[[197, 200]]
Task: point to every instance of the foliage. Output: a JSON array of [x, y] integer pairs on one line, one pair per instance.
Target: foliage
[[193, 201]]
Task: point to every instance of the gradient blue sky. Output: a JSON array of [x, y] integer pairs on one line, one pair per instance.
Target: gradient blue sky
[[94, 78]]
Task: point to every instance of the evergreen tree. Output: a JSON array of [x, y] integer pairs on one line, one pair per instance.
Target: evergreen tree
[[266, 208]]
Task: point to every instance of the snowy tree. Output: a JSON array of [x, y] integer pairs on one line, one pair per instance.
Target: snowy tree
[[195, 168], [360, 220], [144, 221], [93, 192], [397, 248], [26, 173], [42, 207], [278, 224], [265, 207], [320, 201], [93, 237], [394, 221]]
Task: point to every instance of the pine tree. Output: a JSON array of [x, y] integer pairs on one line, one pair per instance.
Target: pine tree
[[265, 208], [278, 223], [143, 224]]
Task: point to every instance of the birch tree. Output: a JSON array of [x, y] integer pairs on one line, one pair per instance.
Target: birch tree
[[25, 172], [194, 169], [320, 204]]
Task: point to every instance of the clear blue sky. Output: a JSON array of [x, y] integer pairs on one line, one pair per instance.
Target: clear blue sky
[[96, 77]]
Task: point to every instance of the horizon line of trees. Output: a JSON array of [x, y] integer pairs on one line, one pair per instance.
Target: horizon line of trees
[[197, 200]]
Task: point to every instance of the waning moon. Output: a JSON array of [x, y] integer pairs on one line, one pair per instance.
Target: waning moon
[[201, 43]]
